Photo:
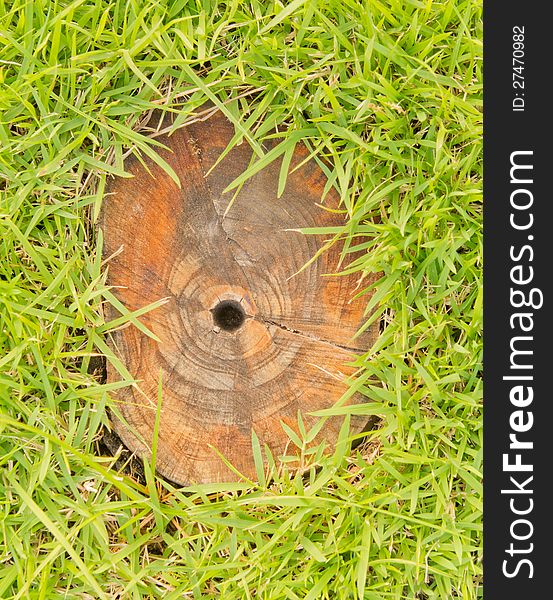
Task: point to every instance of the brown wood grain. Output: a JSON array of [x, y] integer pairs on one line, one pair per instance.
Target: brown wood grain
[[289, 353]]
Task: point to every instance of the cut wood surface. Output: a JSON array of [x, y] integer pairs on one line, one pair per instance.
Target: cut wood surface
[[243, 342]]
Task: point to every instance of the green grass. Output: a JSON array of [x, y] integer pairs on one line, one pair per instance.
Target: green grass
[[386, 92]]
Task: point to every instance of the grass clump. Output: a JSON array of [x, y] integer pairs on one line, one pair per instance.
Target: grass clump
[[388, 94]]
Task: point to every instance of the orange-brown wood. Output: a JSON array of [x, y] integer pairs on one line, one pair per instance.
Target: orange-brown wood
[[242, 343]]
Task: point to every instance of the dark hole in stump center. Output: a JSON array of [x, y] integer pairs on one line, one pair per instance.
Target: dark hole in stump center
[[228, 315]]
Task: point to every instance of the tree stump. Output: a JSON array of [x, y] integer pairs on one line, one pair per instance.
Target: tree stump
[[242, 342]]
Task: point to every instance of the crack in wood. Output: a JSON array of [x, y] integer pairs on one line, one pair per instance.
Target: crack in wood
[[250, 259], [311, 337]]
